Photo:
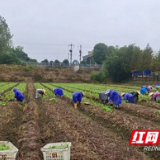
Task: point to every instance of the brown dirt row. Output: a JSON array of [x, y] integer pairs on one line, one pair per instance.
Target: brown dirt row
[[101, 140], [151, 104], [29, 138], [54, 128], [141, 111], [121, 123], [10, 120]]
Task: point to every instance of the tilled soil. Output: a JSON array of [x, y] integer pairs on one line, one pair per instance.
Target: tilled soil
[[100, 140], [95, 134]]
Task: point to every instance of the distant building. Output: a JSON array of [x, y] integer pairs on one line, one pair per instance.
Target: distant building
[[88, 58]]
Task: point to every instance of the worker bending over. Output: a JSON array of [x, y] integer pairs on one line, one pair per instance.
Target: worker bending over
[[77, 98], [143, 90], [128, 96], [157, 86], [135, 95], [18, 95], [58, 92], [41, 92], [104, 96], [109, 96], [149, 89], [154, 96]]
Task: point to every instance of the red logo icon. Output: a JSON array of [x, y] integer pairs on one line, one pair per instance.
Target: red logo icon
[[145, 137], [54, 155]]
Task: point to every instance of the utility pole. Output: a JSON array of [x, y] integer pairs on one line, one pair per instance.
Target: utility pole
[[80, 52], [71, 45], [71, 53]]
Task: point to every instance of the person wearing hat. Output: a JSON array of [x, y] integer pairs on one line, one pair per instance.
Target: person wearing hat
[[135, 95], [18, 95], [41, 92], [104, 96], [154, 96], [77, 98], [58, 92], [128, 96]]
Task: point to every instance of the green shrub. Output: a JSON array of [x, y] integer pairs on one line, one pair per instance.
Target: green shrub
[[98, 76]]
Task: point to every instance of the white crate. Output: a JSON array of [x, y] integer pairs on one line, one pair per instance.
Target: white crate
[[56, 154], [8, 154]]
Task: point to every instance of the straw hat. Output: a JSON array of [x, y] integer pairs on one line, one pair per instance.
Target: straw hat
[[122, 94], [138, 92], [150, 94], [44, 91]]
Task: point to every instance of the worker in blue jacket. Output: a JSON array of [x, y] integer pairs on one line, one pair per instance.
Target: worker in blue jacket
[[18, 95], [157, 86], [58, 92], [128, 96], [143, 90], [77, 98], [115, 97]]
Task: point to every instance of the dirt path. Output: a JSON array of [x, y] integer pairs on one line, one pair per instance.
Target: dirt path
[[29, 139]]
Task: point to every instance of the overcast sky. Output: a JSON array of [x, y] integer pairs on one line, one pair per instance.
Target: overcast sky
[[45, 28]]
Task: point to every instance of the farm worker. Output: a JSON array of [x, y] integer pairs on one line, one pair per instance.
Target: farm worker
[[157, 87], [77, 98], [103, 96], [128, 96], [41, 92], [58, 92], [143, 90], [135, 95], [115, 97], [154, 96], [149, 88], [18, 95]]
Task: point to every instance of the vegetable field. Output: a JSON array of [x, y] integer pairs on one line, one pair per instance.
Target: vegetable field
[[96, 131]]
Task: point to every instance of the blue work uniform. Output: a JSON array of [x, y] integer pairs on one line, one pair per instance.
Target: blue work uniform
[[115, 97], [129, 97], [77, 97], [143, 90], [58, 92], [18, 95]]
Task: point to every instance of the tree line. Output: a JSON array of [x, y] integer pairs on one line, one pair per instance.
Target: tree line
[[15, 55], [119, 62]]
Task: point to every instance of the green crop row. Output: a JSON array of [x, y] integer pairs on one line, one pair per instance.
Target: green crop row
[[10, 94], [69, 94]]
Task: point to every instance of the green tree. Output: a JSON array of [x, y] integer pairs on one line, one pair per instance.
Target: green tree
[[57, 61], [117, 65], [65, 62], [45, 62], [99, 53], [75, 62], [155, 64], [5, 36], [9, 58], [147, 58]]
